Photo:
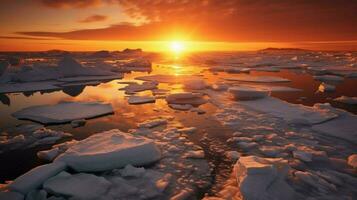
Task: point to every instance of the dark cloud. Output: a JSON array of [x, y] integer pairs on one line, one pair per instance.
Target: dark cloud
[[71, 3], [234, 20], [94, 18]]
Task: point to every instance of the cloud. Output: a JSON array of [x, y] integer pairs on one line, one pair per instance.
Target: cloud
[[71, 3], [234, 20], [94, 18], [24, 38]]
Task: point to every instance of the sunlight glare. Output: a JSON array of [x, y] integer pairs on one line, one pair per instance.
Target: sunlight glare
[[177, 46]]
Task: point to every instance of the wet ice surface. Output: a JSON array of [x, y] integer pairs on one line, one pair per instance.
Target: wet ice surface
[[187, 108]]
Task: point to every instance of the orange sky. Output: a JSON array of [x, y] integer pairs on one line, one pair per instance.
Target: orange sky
[[203, 24]]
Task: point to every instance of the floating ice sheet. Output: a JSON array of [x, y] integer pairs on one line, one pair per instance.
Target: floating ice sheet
[[64, 112]]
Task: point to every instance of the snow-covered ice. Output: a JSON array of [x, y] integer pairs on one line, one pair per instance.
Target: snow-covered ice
[[141, 99], [247, 93], [347, 100], [109, 150], [64, 112], [35, 177], [295, 114]]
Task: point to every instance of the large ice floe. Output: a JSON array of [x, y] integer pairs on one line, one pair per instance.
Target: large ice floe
[[295, 114], [64, 112], [110, 150]]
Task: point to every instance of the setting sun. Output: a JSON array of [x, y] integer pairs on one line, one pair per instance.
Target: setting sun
[[177, 46]]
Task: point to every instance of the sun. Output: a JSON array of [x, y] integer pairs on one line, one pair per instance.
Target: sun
[[177, 46]]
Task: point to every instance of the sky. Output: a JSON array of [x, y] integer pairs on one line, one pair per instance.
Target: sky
[[212, 25]]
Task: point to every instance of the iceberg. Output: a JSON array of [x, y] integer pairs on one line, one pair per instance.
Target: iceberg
[[64, 112]]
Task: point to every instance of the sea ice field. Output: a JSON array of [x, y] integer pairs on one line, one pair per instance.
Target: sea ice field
[[274, 124]]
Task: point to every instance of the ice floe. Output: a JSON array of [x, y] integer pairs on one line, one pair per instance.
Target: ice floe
[[194, 99], [295, 114], [258, 79], [110, 150], [247, 93], [135, 87], [141, 99], [347, 100], [64, 112], [35, 178], [77, 186]]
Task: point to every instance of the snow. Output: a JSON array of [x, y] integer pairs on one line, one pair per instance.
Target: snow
[[109, 150], [78, 186], [194, 99], [141, 99], [327, 78], [347, 100], [28, 87], [35, 177], [247, 93], [258, 79], [64, 112], [295, 114]]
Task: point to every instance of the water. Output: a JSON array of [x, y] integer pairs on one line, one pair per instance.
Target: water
[[17, 162]]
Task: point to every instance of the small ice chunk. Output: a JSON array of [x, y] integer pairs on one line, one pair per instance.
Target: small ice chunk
[[130, 171], [109, 150], [35, 177], [302, 155], [232, 155], [64, 112], [199, 154], [260, 178], [181, 106], [247, 93], [78, 123], [347, 100], [141, 99], [152, 123], [135, 87], [324, 87], [78, 186], [352, 160], [49, 155]]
